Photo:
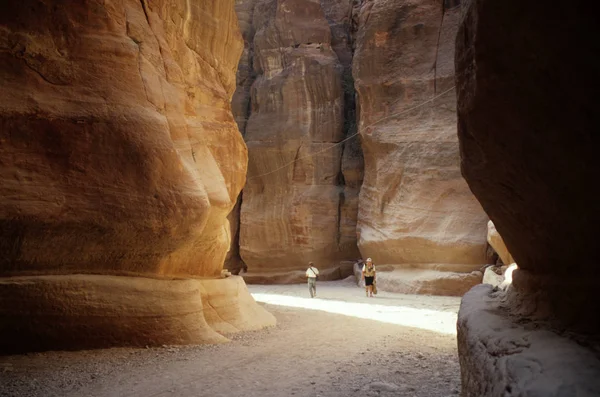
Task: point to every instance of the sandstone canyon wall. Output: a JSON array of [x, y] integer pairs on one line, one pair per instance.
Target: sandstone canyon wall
[[300, 199], [416, 211], [528, 129], [119, 156]]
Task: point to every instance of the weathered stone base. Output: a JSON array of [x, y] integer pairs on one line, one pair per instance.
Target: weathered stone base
[[504, 354], [93, 311], [426, 281]]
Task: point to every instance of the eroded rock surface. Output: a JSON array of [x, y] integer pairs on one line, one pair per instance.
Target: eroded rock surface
[[414, 206], [92, 311], [415, 209], [294, 206], [119, 155], [512, 355]]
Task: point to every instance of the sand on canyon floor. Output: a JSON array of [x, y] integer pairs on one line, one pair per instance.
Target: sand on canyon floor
[[338, 344]]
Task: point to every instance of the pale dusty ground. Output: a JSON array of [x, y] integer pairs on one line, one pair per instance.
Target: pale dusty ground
[[311, 352]]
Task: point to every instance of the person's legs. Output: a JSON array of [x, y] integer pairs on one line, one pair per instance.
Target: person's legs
[[369, 286], [311, 287]]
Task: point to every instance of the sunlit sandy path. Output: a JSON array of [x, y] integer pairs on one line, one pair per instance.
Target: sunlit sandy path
[[426, 312]]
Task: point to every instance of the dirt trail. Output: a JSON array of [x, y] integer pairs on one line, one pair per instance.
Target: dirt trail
[[311, 352]]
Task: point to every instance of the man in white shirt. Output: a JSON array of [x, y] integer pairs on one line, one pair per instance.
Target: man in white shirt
[[311, 273]]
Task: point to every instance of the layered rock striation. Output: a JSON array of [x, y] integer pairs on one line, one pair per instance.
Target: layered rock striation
[[528, 138], [296, 204], [119, 156], [315, 64], [415, 210]]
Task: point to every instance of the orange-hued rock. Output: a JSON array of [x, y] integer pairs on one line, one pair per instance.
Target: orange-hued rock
[[414, 206], [119, 154], [119, 151], [93, 311]]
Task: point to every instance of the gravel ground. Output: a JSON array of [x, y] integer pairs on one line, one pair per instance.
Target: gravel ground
[[311, 352]]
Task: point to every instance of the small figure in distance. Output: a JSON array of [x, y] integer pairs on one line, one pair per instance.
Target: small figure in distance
[[368, 273], [312, 273]]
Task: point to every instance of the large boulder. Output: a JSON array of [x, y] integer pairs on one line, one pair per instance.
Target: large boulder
[[529, 154], [119, 156], [528, 127], [414, 206]]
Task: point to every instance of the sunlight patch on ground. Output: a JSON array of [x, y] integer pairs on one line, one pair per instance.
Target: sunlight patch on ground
[[431, 320]]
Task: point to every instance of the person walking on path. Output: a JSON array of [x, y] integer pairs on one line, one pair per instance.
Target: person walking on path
[[312, 273], [368, 273]]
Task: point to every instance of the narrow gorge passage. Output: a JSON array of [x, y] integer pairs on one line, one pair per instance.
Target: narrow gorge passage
[[129, 129], [309, 353]]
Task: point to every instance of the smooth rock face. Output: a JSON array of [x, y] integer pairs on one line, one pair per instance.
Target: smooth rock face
[[91, 311], [116, 125], [414, 206], [495, 240], [292, 213], [119, 155]]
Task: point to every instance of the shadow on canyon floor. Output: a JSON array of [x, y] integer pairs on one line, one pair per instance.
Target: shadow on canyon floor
[[313, 351]]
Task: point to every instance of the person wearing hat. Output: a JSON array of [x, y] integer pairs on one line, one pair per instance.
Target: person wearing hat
[[368, 273], [311, 274]]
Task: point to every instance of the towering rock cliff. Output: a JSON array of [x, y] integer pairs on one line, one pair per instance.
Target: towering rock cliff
[[296, 206], [119, 156], [528, 129], [415, 208], [416, 211]]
